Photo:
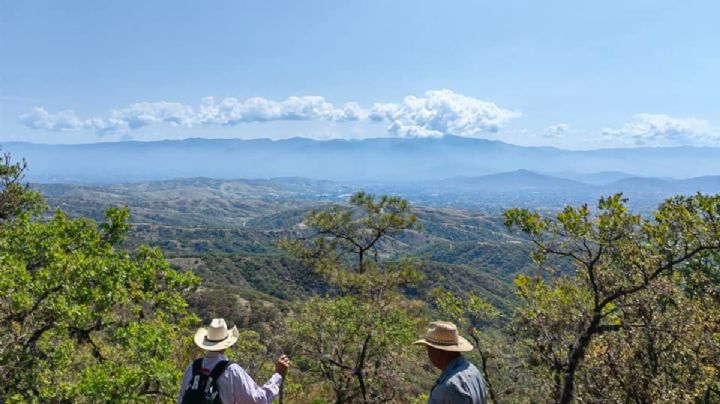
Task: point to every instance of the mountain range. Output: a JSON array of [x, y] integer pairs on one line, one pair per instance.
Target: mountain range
[[524, 180], [379, 159]]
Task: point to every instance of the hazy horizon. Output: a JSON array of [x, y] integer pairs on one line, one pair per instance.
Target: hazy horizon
[[379, 159], [191, 138]]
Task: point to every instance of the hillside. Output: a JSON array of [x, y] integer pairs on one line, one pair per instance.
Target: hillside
[[266, 203], [193, 202], [249, 281], [231, 227], [227, 232]]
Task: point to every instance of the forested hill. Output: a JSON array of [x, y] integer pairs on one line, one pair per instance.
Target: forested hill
[[392, 159], [462, 237], [346, 281], [247, 250], [228, 230]]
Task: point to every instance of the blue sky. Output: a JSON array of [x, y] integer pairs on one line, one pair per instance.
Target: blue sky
[[570, 74]]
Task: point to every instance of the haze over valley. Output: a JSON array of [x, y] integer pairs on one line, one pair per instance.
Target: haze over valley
[[382, 160]]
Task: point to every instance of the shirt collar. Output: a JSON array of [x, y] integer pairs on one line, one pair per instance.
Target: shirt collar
[[451, 368], [215, 355]]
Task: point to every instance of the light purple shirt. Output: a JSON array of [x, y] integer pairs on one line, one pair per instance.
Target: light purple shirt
[[235, 385]]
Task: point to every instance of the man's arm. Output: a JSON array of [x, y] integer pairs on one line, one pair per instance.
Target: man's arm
[[245, 389]]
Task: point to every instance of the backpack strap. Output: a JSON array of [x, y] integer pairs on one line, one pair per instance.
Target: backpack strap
[[197, 365], [219, 369], [196, 376]]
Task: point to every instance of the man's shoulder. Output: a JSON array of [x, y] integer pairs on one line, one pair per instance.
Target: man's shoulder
[[462, 373], [234, 369]]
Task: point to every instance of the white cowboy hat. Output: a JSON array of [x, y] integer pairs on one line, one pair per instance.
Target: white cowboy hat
[[216, 337], [444, 336]]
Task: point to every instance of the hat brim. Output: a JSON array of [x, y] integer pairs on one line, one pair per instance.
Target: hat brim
[[202, 342], [462, 345]]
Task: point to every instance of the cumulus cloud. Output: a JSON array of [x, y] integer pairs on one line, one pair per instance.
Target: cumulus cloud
[[442, 112], [39, 118], [438, 113], [133, 117], [143, 114], [231, 111], [556, 131], [658, 129]]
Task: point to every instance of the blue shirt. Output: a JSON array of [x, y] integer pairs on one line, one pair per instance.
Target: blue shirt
[[460, 382]]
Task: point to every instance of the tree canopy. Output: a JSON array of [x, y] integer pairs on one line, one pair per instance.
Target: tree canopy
[[623, 307], [80, 319], [636, 317], [359, 343]]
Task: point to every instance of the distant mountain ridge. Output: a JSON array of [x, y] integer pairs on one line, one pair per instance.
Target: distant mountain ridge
[[518, 180], [601, 178], [530, 189], [377, 159]]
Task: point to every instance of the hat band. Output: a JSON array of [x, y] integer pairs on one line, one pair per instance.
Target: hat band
[[217, 340], [438, 342]]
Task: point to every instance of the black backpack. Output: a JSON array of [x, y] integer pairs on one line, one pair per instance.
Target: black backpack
[[202, 388]]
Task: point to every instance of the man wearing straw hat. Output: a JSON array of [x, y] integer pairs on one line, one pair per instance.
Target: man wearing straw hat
[[460, 381], [231, 383]]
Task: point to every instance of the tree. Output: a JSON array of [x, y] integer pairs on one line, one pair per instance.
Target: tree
[[361, 349], [359, 343], [82, 320], [16, 197], [667, 351], [626, 299]]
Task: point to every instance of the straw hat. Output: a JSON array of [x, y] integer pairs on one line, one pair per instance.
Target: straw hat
[[443, 335], [216, 337]]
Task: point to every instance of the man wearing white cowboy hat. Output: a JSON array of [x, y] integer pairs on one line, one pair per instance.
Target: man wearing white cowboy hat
[[214, 379], [460, 381]]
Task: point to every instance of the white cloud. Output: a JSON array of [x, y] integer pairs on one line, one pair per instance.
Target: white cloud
[[142, 114], [442, 112], [663, 130], [556, 131], [436, 114], [39, 118], [231, 111], [133, 117]]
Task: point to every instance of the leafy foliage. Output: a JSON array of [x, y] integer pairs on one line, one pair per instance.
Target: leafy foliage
[[16, 197], [624, 324], [80, 320], [359, 342], [363, 350], [623, 308]]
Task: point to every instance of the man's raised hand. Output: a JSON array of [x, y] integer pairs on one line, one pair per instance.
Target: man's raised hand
[[282, 365]]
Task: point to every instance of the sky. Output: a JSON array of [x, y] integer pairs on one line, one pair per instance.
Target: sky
[[568, 74]]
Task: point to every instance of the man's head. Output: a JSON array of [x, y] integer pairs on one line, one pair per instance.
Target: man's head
[[439, 358], [217, 337], [443, 343]]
